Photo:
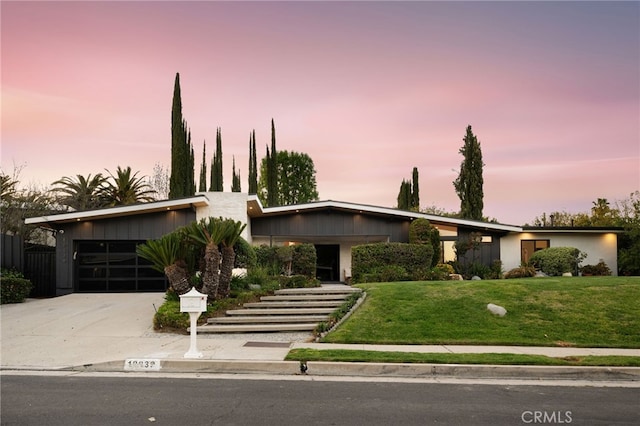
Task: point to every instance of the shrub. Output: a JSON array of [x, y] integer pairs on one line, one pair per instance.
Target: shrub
[[297, 281], [14, 288], [368, 260], [304, 260], [245, 254], [601, 269], [422, 232], [523, 271], [556, 261], [299, 259]]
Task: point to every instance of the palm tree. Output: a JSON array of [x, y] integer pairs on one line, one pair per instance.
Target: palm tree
[[81, 193], [167, 255], [207, 234], [231, 232], [127, 189]]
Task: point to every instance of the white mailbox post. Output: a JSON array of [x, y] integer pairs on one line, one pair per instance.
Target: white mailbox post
[[194, 303]]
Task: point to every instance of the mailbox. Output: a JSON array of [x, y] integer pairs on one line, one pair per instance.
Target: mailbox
[[193, 301]]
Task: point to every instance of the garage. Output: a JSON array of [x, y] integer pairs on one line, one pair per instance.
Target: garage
[[113, 266]]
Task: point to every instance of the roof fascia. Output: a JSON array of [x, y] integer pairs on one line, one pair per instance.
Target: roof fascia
[[176, 204], [362, 208]]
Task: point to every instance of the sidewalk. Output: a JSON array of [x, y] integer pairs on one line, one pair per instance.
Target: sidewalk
[[113, 332]]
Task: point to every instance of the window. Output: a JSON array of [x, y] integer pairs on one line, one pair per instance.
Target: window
[[528, 247]]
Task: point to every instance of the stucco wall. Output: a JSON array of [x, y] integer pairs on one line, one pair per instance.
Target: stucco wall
[[228, 205], [597, 247]]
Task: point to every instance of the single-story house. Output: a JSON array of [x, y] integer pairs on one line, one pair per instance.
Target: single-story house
[[96, 249]]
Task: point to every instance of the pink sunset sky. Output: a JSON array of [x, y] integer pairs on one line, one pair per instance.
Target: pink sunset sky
[[368, 90]]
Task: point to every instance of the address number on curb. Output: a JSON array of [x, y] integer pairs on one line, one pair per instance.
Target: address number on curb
[[143, 364]]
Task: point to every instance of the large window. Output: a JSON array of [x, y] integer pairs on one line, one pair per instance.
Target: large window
[[114, 266], [528, 247]]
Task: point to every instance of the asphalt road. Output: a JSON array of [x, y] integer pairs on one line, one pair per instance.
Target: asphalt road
[[78, 400]]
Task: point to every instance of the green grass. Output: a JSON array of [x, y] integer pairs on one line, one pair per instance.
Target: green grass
[[344, 355], [561, 311]]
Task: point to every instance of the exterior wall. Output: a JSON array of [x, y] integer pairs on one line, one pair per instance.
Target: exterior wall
[[144, 227], [597, 246], [332, 224], [232, 205]]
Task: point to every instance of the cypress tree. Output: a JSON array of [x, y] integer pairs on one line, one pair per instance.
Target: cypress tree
[[415, 192], [181, 181], [216, 165], [253, 164], [203, 170], [404, 195], [409, 194], [469, 184], [235, 179], [272, 170]]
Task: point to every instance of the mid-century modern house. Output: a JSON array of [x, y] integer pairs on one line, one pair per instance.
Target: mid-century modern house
[[96, 249]]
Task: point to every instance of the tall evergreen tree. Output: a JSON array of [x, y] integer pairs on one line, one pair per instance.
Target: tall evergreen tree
[[409, 194], [404, 195], [203, 170], [216, 165], [181, 182], [235, 178], [253, 164], [272, 170], [415, 191], [469, 184]]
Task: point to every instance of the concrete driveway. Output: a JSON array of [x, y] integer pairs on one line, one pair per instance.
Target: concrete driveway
[[80, 329]]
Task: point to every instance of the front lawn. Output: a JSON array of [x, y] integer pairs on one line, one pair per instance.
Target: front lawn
[[560, 311]]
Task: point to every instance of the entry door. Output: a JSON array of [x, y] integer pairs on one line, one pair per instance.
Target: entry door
[[328, 262]]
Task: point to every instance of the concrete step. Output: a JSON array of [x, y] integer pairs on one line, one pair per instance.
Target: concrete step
[[281, 311], [338, 289], [268, 319], [337, 296], [256, 328], [295, 304]]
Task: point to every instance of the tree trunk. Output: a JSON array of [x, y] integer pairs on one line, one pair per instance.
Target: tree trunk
[[178, 278], [226, 270], [211, 277]]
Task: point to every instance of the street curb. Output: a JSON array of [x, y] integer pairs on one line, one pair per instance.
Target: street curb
[[376, 370]]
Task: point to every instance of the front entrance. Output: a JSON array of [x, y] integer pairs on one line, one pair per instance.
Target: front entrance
[[328, 262]]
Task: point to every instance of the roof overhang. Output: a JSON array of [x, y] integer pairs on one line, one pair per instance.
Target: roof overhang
[[572, 230], [255, 209], [107, 213]]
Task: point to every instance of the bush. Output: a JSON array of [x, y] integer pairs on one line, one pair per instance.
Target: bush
[[371, 260], [422, 232], [245, 255], [14, 288], [277, 259], [304, 260], [555, 261], [297, 281], [601, 269], [523, 271]]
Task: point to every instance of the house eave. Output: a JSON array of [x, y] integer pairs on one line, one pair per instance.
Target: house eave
[[572, 229], [107, 213], [255, 209]]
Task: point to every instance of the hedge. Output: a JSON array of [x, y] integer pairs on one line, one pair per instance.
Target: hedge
[[556, 261], [302, 256], [14, 290], [389, 261]]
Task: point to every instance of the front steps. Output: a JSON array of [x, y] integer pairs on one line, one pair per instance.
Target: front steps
[[296, 309]]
